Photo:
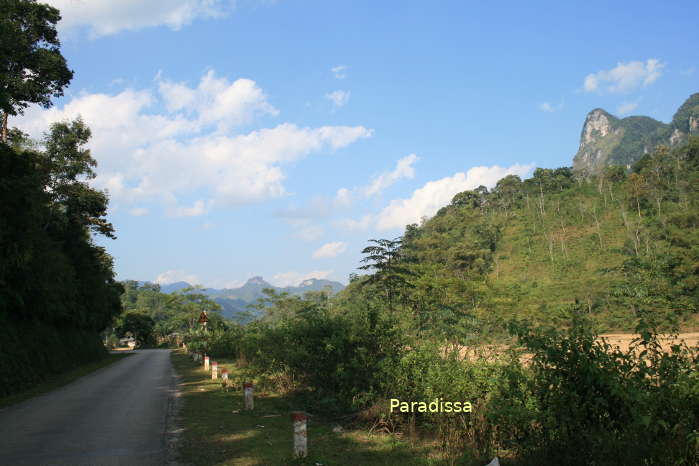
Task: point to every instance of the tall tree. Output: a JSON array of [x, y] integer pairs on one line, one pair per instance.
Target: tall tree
[[32, 69], [384, 258]]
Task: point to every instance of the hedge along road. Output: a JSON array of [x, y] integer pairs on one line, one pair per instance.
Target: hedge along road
[[118, 415]]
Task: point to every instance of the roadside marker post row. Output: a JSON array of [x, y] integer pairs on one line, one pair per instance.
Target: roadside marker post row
[[299, 418]]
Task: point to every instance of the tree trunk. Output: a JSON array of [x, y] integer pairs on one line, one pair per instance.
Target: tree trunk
[[4, 127]]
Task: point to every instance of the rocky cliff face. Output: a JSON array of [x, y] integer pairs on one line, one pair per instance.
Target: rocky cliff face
[[607, 140]]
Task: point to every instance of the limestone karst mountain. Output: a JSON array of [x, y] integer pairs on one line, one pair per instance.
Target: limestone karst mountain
[[607, 140]]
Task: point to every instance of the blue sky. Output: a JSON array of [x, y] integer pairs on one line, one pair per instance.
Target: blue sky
[[275, 138]]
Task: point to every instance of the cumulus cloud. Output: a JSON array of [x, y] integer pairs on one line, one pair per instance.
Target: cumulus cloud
[[625, 77], [295, 278], [106, 17], [404, 169], [330, 250], [338, 98], [188, 148], [339, 71], [426, 200], [217, 101], [627, 107], [172, 276]]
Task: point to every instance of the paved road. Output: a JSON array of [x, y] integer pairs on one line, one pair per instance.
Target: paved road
[[115, 416]]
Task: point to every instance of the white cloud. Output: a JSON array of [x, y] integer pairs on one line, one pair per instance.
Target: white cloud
[[339, 71], [106, 17], [294, 278], [338, 98], [404, 169], [627, 107], [216, 101], [145, 155], [330, 250], [625, 77], [138, 211], [426, 200], [172, 276]]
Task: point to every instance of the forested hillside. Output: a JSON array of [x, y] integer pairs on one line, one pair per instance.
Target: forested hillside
[[616, 242], [57, 287]]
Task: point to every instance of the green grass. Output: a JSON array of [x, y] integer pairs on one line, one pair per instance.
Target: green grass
[[217, 431], [61, 380]]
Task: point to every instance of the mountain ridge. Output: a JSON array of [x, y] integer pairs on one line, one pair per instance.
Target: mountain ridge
[[608, 140], [235, 301]]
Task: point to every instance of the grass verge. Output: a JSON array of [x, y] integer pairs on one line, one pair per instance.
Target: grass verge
[[61, 380], [217, 431]]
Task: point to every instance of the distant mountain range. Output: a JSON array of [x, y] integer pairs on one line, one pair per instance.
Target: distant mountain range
[[607, 140], [234, 301]]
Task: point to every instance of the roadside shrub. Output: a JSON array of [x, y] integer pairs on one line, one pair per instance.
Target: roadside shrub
[[427, 373], [581, 401], [343, 360]]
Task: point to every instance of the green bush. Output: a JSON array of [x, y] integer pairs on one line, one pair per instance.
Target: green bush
[[581, 401], [31, 353]]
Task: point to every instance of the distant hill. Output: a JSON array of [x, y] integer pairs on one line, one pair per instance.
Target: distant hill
[[607, 140], [172, 287], [235, 301]]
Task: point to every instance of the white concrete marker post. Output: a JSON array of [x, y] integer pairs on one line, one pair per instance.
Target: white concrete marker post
[[206, 363], [214, 370], [248, 397], [300, 434]]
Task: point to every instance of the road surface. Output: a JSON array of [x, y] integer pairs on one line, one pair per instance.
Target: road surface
[[117, 415]]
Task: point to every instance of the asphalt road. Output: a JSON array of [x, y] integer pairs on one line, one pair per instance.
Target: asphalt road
[[117, 415]]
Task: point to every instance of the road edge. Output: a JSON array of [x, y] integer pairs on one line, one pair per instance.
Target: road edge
[[173, 422]]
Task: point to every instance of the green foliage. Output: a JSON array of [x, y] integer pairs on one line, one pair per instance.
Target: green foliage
[[31, 353], [173, 313], [137, 325], [32, 69], [531, 248], [582, 401], [54, 280]]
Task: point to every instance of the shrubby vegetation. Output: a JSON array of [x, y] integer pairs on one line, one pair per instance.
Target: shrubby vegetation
[[499, 300]]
